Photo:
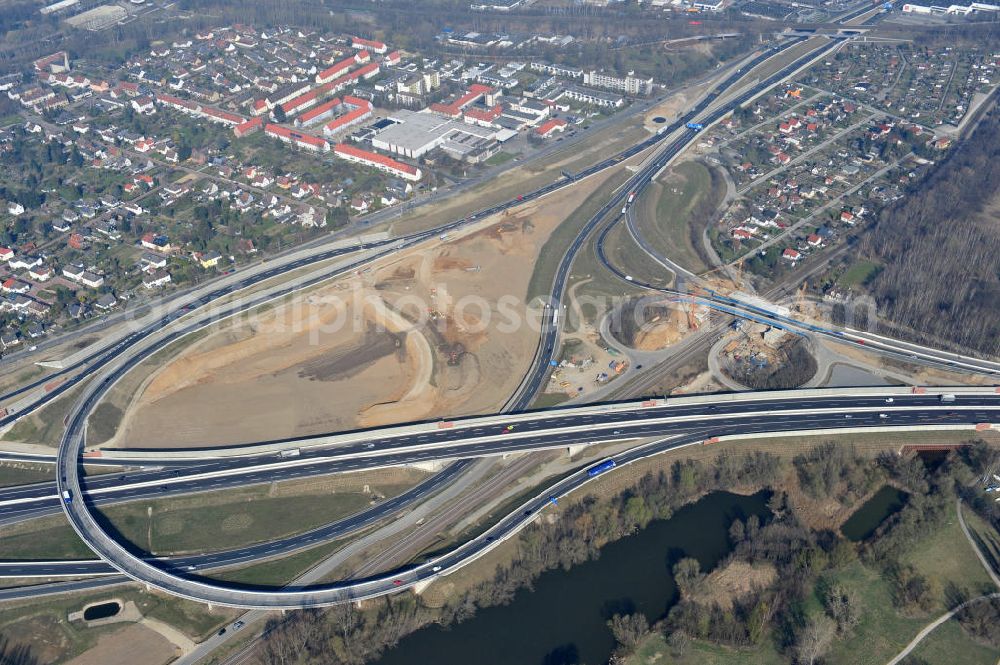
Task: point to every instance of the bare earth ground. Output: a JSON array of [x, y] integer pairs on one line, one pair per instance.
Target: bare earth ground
[[133, 644], [420, 335]]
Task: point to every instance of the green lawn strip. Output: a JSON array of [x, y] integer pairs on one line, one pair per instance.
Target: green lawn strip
[[279, 572], [987, 537], [45, 426], [17, 473], [103, 423], [949, 644], [193, 524], [667, 227], [547, 400], [625, 254], [499, 158], [560, 240], [46, 538], [859, 273]]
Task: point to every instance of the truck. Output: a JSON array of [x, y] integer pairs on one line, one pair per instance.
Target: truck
[[947, 397], [631, 197], [598, 469], [291, 452], [67, 496], [695, 125]]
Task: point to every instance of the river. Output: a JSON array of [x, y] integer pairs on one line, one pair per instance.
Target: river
[[562, 621]]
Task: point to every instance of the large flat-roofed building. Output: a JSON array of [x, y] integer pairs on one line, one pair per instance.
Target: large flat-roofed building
[[595, 97], [60, 6], [630, 85], [414, 134]]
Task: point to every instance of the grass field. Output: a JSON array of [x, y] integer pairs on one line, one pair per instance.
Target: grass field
[[281, 571], [500, 158], [42, 624], [45, 427], [883, 631], [859, 273], [949, 644], [946, 556], [665, 212], [560, 240], [625, 254], [12, 473], [200, 522], [655, 650]]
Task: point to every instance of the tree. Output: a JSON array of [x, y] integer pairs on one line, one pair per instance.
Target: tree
[[813, 639], [628, 630], [688, 576], [678, 641], [842, 606], [637, 512]]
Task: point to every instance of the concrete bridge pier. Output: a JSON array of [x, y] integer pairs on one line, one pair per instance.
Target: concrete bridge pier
[[575, 448]]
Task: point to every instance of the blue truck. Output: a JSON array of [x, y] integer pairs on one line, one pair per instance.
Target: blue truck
[[695, 125], [598, 469]]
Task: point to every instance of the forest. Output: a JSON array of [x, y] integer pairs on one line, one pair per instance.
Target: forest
[[940, 248]]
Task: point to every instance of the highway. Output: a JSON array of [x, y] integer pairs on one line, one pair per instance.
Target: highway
[[684, 428], [529, 387], [544, 430]]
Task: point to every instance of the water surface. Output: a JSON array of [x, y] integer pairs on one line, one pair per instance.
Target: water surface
[[562, 622]]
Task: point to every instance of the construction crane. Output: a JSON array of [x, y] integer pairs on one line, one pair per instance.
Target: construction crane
[[736, 281]]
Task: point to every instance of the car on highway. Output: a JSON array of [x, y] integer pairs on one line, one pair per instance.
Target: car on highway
[[889, 400], [436, 569], [397, 582], [222, 631], [238, 625]]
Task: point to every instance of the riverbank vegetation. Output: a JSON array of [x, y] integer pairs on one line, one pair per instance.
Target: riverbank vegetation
[[834, 601], [793, 589]]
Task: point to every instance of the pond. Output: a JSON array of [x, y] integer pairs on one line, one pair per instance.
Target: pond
[[562, 621], [102, 611], [866, 519], [848, 376]]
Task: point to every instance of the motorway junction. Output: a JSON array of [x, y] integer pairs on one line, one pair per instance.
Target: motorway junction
[[644, 428]]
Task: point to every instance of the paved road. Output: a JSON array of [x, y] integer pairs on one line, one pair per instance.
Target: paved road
[[88, 528], [693, 423], [119, 363], [899, 349]]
